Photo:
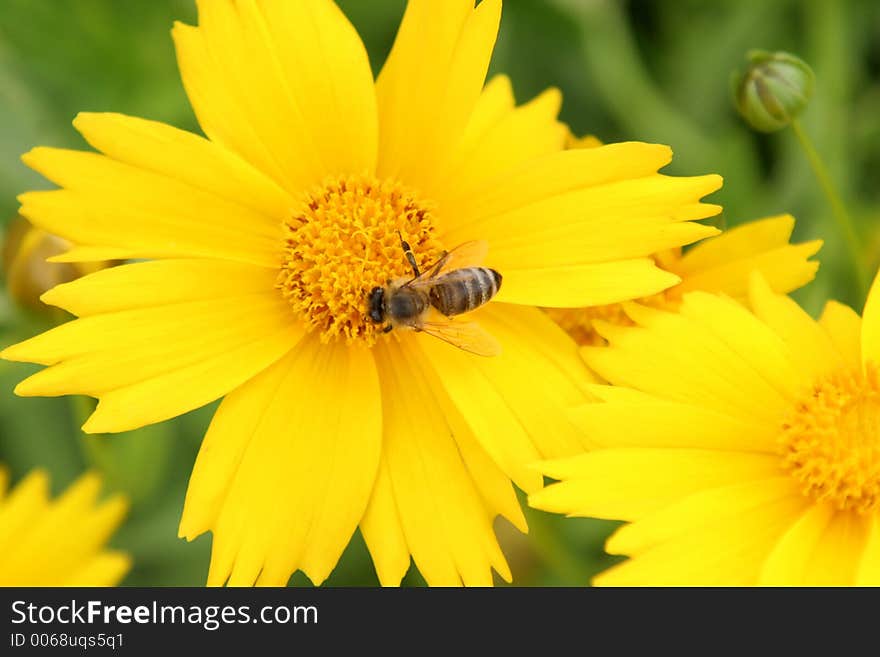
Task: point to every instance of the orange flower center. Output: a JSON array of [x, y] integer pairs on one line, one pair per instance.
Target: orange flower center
[[342, 242], [831, 441]]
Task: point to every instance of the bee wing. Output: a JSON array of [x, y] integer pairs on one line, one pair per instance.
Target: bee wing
[[467, 254], [469, 336]]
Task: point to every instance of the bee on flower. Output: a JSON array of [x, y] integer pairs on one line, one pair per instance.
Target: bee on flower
[[265, 242]]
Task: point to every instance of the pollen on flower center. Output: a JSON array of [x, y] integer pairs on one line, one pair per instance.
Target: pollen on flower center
[[831, 440], [341, 242]]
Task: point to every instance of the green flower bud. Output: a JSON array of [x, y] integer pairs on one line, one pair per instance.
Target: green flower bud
[[775, 88]]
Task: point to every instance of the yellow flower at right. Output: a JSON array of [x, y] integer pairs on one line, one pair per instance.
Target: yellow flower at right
[[741, 444]]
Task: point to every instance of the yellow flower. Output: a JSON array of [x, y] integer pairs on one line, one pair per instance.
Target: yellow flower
[[267, 239], [718, 264], [59, 542], [742, 446]]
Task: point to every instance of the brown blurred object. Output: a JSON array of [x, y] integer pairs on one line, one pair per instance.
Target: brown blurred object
[[27, 274]]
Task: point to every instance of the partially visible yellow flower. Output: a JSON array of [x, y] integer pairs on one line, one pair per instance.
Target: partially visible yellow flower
[[265, 241], [26, 262], [60, 542], [743, 447], [718, 264]]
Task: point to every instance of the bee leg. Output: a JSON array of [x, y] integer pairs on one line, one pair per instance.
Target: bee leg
[[407, 251], [387, 329]]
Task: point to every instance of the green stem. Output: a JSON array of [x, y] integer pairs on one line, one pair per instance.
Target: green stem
[[844, 222]]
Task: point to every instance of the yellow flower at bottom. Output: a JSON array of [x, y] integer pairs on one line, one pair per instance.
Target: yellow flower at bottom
[[264, 242], [60, 542], [743, 447], [719, 264]]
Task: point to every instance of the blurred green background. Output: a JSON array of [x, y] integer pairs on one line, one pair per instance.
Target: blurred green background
[[653, 71]]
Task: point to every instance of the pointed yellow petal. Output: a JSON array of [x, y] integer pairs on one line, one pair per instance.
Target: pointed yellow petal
[[654, 422], [516, 420], [727, 553], [183, 156], [430, 85], [751, 340], [286, 85], [383, 531], [105, 569], [493, 483], [502, 142], [728, 259], [821, 548], [702, 511], [158, 283], [574, 286], [286, 470], [709, 369], [445, 520], [810, 348], [844, 327], [112, 204], [628, 483], [149, 364]]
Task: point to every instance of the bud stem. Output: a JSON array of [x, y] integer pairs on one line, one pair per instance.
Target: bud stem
[[844, 222]]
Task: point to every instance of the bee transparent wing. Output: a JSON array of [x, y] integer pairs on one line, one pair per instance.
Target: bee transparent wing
[[467, 254], [469, 336]]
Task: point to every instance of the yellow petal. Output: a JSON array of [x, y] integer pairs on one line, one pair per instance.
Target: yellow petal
[[444, 517], [752, 340], [286, 85], [105, 569], [723, 263], [810, 348], [158, 283], [149, 364], [383, 531], [654, 422], [287, 466], [144, 214], [821, 548], [708, 371], [869, 567], [183, 156], [844, 327], [726, 553], [493, 483], [628, 483], [553, 175], [785, 268], [871, 325], [430, 85], [515, 402], [502, 141], [703, 511], [574, 286]]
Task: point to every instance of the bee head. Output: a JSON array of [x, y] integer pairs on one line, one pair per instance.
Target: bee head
[[377, 305]]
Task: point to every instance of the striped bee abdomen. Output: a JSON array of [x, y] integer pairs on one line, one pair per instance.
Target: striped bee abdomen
[[463, 290]]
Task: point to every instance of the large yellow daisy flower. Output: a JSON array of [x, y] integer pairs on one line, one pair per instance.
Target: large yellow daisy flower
[[266, 239], [743, 447], [45, 542]]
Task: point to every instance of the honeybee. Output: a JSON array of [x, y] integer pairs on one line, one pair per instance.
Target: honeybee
[[453, 285]]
